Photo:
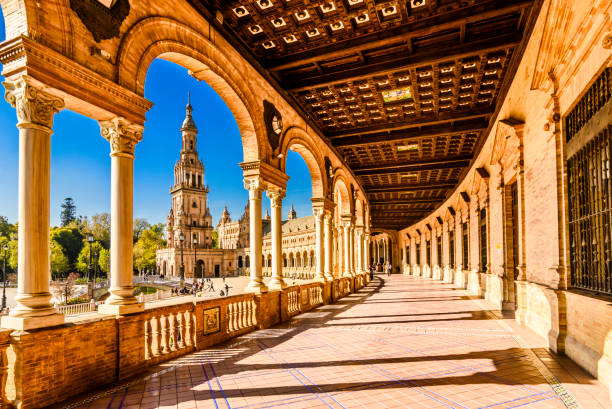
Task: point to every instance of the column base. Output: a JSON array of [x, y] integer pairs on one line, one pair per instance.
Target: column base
[[27, 323], [277, 286], [256, 289], [116, 309], [329, 277]]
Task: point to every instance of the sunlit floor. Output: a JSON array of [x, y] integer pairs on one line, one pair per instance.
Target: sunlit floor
[[401, 342]]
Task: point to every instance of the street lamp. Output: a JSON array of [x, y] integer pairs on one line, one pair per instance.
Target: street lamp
[[93, 287], [195, 272], [5, 248], [90, 239], [181, 240]]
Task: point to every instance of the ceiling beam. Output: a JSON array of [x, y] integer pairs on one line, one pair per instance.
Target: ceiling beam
[[403, 134], [383, 202], [405, 188], [450, 163], [444, 119], [454, 20], [403, 62]]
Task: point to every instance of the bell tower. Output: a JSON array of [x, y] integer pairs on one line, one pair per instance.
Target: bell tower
[[190, 214]]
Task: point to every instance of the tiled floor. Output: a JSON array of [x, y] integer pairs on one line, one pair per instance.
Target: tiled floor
[[401, 342]]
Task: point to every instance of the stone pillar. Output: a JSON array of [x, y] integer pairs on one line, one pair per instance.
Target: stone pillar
[[35, 111], [346, 228], [123, 137], [359, 232], [327, 231], [276, 204], [255, 186], [367, 250], [319, 261]]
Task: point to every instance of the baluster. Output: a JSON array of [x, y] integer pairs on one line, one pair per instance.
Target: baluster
[[147, 340], [236, 316], [248, 319], [164, 334], [172, 332], [181, 331], [156, 333], [241, 323], [188, 327], [254, 312], [4, 402], [230, 318]]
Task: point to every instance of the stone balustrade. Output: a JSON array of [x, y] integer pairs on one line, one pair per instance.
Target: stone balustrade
[[112, 348], [76, 309]]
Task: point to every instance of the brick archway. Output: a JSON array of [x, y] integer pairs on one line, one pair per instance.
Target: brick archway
[[160, 37]]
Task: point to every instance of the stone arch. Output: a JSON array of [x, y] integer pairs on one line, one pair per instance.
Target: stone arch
[[161, 37], [297, 140], [359, 213], [342, 195]]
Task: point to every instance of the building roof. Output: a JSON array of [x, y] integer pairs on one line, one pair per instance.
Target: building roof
[[292, 226]]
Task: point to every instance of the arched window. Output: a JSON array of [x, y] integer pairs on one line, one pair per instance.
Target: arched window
[[248, 262], [239, 261], [191, 147]]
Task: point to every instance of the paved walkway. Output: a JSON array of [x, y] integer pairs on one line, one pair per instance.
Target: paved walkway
[[401, 342]]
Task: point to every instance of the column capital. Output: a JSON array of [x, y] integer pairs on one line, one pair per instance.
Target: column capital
[[255, 185], [34, 106], [122, 135], [276, 196], [318, 212]]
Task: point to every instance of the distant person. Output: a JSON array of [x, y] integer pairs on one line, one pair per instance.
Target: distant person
[[388, 269], [371, 268], [227, 290]]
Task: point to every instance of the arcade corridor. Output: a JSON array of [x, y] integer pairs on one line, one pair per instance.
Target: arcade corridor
[[400, 342]]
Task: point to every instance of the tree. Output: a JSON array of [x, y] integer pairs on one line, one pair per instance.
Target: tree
[[104, 260], [70, 240], [215, 239], [145, 251], [59, 262], [6, 228], [82, 264], [140, 225], [99, 227], [68, 213]]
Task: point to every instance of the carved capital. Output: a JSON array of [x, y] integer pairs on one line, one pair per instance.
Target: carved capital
[[122, 135], [33, 105], [255, 185], [276, 197]]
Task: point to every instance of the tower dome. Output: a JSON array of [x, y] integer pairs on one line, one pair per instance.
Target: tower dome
[[188, 124]]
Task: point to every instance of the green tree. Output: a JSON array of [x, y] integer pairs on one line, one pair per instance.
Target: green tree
[[82, 264], [104, 260], [70, 240], [215, 239], [68, 213], [6, 228], [140, 225], [145, 251], [99, 227], [59, 262]]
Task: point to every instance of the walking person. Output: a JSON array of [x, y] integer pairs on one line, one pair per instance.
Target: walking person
[[388, 269], [371, 268]]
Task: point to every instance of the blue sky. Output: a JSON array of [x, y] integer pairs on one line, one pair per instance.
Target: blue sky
[[80, 165]]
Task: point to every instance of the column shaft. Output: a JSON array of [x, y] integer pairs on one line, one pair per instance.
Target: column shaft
[[35, 111], [276, 204], [255, 188], [347, 249], [318, 214], [328, 247]]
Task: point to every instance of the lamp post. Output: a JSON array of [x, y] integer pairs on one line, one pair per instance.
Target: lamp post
[[51, 257], [90, 239], [5, 248], [181, 240], [195, 271], [93, 287]]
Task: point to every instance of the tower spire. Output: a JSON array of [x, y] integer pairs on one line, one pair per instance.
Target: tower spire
[[188, 124]]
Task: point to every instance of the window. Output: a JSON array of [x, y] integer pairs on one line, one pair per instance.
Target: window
[[418, 255], [439, 249], [451, 248], [465, 245], [589, 150], [482, 239], [194, 205], [428, 245], [191, 148]]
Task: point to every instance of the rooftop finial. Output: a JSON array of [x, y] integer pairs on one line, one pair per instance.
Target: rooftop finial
[[188, 122]]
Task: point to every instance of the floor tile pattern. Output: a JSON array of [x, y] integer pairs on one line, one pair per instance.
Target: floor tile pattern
[[401, 342]]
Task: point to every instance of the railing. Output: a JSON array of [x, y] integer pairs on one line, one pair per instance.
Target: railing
[[169, 331], [75, 309], [240, 315], [293, 302], [158, 295], [316, 295]]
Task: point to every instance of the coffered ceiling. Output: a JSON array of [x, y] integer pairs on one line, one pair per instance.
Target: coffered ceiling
[[404, 89]]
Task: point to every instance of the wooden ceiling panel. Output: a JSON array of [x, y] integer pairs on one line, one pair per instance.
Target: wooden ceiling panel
[[406, 94]]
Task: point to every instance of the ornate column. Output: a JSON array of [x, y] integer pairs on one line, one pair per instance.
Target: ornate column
[[352, 248], [35, 111], [255, 186], [123, 137], [366, 245], [319, 261], [276, 203], [327, 231]]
